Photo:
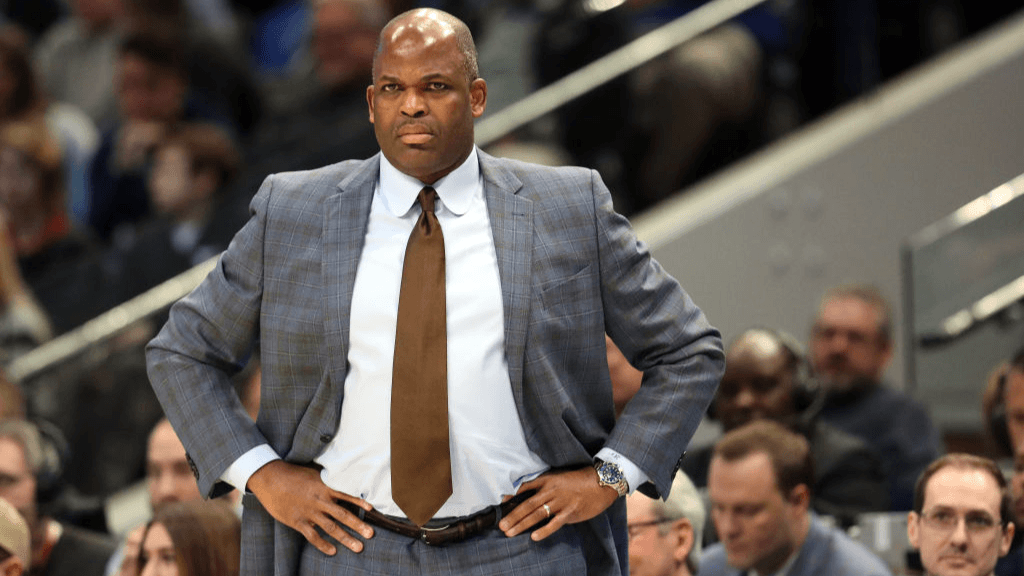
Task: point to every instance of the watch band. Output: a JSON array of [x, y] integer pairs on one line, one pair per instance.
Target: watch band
[[609, 474]]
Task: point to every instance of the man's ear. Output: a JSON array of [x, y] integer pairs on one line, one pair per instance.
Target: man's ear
[[682, 539], [800, 496], [912, 533], [369, 100], [478, 97], [1007, 540]]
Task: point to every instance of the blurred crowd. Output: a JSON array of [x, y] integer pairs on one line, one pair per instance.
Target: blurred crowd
[[822, 467], [133, 134]]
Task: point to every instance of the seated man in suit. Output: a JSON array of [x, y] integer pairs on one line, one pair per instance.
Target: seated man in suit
[[851, 345], [665, 535], [962, 520], [760, 491], [766, 379]]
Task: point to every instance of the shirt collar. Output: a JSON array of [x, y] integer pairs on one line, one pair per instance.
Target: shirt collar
[[456, 190]]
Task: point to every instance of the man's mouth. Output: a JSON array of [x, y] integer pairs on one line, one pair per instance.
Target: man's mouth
[[956, 560], [414, 135]]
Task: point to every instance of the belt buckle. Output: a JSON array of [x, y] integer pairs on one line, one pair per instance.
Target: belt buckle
[[425, 533]]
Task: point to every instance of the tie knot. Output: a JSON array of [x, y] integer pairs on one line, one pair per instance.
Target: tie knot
[[426, 198]]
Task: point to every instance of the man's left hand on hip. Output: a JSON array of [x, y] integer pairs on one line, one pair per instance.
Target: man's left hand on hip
[[570, 497]]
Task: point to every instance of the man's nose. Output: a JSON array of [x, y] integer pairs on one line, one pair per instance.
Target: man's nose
[[724, 524], [745, 398], [959, 535], [162, 485], [413, 104]]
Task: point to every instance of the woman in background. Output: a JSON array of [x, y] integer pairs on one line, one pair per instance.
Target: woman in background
[[191, 539]]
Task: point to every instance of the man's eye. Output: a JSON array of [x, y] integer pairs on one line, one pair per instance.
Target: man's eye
[[979, 522], [389, 88], [437, 86]]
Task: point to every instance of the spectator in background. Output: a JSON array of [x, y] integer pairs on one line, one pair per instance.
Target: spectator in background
[[22, 99], [665, 536], [331, 122], [30, 463], [20, 96], [191, 539], [152, 95], [76, 58], [192, 166], [699, 106], [1003, 405], [169, 480], [766, 378], [61, 266], [760, 491], [23, 323], [168, 475], [15, 553], [962, 520], [218, 76], [851, 345]]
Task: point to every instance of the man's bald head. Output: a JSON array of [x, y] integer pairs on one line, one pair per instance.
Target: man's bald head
[[434, 25], [759, 379]]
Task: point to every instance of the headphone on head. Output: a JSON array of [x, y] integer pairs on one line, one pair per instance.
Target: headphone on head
[[808, 394], [54, 452]]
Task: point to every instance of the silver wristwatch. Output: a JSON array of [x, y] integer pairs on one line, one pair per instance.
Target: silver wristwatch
[[609, 474]]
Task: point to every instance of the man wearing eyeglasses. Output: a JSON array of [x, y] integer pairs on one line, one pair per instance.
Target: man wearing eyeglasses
[[961, 520], [759, 484], [665, 536]]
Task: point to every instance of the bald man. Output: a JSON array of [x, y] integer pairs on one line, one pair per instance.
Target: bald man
[[765, 379], [537, 267]]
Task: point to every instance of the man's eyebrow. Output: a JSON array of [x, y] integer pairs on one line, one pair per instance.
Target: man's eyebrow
[[435, 76]]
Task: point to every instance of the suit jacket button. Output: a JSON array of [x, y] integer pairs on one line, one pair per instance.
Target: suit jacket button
[[192, 466], [325, 438]]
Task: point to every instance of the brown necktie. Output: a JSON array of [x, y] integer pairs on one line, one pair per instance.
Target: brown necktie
[[421, 469]]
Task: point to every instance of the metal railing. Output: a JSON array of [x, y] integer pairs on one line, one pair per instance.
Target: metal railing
[[488, 130]]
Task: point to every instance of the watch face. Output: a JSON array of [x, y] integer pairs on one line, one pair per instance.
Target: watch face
[[610, 473]]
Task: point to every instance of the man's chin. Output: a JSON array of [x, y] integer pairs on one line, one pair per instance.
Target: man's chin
[[740, 560], [953, 565]]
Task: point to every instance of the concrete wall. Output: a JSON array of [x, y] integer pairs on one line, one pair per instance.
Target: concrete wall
[[758, 244]]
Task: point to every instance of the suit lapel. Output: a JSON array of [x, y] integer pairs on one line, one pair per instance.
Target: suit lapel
[[345, 219], [511, 218]]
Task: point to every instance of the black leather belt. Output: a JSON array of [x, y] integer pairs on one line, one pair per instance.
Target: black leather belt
[[455, 531]]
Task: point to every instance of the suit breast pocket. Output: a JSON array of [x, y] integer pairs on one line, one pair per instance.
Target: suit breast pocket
[[572, 296]]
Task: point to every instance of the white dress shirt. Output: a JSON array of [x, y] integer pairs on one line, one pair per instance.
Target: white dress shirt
[[490, 457]]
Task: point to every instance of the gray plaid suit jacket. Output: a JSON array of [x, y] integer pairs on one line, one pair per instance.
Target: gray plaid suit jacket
[[571, 269]]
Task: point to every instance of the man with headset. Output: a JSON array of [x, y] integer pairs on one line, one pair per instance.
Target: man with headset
[[30, 467], [766, 379]]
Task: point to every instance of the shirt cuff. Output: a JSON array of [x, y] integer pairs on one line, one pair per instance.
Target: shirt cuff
[[239, 472], [634, 476]]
